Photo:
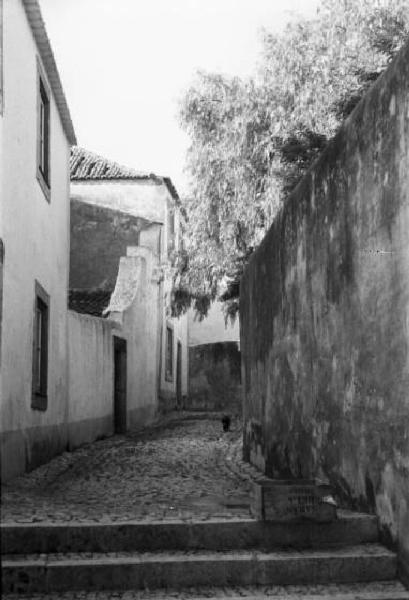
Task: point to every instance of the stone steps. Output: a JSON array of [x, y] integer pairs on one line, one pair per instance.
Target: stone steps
[[384, 590], [42, 573], [212, 534], [89, 557]]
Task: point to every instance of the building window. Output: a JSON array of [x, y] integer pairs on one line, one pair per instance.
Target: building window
[[171, 230], [169, 354], [43, 137], [40, 348], [171, 223]]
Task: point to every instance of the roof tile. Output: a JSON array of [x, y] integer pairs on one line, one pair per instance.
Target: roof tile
[[85, 165], [90, 302]]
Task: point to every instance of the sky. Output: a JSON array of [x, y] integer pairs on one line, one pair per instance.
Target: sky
[[125, 64]]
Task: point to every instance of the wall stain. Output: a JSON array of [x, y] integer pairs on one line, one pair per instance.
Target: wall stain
[[323, 311]]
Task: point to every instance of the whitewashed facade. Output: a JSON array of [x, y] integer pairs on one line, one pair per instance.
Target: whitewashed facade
[[35, 138], [158, 348]]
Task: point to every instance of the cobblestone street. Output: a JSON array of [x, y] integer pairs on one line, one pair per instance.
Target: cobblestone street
[[183, 467]]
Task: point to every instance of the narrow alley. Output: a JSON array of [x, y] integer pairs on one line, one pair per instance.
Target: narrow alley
[[204, 317]]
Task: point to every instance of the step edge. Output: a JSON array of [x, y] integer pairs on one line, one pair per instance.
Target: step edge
[[175, 522], [347, 596], [160, 557]]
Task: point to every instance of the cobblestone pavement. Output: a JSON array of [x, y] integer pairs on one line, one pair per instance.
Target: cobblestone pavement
[[236, 592], [181, 468]]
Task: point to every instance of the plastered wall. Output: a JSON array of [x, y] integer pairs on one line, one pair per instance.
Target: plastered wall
[[133, 317], [144, 198], [214, 378], [140, 321], [99, 237], [36, 241], [324, 312], [90, 377], [214, 362]]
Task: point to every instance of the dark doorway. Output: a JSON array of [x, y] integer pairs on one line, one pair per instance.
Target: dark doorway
[[179, 376], [119, 385]]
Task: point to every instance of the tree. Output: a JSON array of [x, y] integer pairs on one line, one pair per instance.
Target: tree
[[252, 141]]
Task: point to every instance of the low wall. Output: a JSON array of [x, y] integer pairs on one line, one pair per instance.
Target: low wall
[[134, 305], [90, 378], [324, 312], [215, 378]]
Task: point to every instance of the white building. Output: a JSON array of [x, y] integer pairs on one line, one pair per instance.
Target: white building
[[36, 133], [67, 378], [119, 215]]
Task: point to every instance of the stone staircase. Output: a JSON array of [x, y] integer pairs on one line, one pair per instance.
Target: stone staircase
[[211, 558]]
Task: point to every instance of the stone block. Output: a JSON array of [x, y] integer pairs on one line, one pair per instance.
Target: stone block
[[288, 500]]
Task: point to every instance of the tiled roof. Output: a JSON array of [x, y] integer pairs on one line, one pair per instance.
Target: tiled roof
[[37, 25], [85, 165], [90, 302]]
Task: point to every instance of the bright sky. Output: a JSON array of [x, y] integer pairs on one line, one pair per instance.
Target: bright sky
[[125, 63]]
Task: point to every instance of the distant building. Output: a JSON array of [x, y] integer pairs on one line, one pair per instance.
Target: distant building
[[214, 362], [36, 133], [118, 216]]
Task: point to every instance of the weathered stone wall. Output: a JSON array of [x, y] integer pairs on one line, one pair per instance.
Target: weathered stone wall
[[214, 362], [214, 378], [324, 315]]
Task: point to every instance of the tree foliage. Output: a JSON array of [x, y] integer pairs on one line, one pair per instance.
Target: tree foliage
[[252, 140]]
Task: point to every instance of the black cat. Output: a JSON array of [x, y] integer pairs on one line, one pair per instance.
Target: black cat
[[226, 420]]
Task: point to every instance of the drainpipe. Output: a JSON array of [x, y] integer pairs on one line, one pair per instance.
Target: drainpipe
[[160, 305], [160, 335]]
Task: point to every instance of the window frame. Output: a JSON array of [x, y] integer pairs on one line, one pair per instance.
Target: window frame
[[43, 167], [171, 229], [39, 397], [169, 358]]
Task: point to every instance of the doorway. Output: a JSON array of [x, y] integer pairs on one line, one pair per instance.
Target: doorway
[[179, 376], [119, 385]]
